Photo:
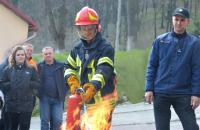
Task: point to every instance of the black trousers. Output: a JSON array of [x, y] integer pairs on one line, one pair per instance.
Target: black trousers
[[17, 121]]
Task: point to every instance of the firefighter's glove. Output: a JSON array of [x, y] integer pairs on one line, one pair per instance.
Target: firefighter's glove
[[73, 83], [90, 91]]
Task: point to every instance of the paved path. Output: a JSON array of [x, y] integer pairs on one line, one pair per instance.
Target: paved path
[[133, 117]]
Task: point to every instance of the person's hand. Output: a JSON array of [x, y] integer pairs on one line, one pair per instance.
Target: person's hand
[[195, 102], [73, 83], [90, 91], [148, 96]]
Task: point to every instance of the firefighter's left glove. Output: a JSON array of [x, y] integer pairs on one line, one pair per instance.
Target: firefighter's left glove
[[73, 83], [90, 91]]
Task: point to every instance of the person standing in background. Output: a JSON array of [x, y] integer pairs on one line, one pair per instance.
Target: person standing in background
[[2, 67], [53, 90], [18, 81], [173, 74], [29, 52]]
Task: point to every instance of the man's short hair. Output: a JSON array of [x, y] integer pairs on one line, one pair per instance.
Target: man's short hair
[[27, 45], [47, 47]]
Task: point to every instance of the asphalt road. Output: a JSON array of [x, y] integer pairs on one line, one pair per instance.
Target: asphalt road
[[132, 117]]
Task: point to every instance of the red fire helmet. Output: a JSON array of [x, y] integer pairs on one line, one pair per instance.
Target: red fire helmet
[[86, 16]]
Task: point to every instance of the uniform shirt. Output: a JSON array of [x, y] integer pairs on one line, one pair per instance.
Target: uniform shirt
[[49, 81], [174, 65]]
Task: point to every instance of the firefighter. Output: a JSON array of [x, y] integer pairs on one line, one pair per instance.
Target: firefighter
[[90, 65]]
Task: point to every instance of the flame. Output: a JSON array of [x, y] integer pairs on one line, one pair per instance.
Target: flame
[[97, 117], [63, 126]]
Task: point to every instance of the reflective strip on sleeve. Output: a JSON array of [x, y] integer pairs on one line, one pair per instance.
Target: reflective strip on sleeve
[[69, 72], [105, 60], [98, 97], [71, 61], [100, 78]]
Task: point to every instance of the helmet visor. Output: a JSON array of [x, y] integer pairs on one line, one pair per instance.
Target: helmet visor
[[87, 32]]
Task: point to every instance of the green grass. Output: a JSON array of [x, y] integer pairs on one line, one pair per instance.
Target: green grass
[[131, 68]]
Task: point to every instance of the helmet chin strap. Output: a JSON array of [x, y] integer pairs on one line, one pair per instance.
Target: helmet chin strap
[[85, 38]]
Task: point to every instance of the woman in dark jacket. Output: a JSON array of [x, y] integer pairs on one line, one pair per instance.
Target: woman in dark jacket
[[19, 82]]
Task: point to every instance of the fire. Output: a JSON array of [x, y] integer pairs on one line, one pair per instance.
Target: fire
[[97, 117], [63, 126]]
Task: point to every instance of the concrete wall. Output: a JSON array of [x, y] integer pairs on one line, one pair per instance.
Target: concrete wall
[[13, 30]]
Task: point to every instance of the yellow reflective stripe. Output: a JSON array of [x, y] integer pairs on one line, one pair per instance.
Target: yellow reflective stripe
[[100, 78], [98, 97], [70, 71], [105, 60], [78, 62], [91, 66], [71, 61]]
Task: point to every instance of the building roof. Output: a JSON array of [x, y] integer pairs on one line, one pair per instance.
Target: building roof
[[22, 15]]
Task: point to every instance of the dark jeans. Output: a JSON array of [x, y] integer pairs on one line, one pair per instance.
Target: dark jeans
[[17, 121], [182, 107], [51, 113]]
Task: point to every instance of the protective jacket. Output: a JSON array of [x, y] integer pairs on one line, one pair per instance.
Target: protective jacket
[[18, 83], [174, 65], [93, 63]]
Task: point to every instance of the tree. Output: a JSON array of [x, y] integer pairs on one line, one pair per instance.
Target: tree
[[155, 17], [162, 14], [170, 8], [131, 22], [57, 23], [117, 38]]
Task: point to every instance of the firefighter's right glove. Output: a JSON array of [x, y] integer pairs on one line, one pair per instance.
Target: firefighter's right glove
[[90, 91], [73, 83]]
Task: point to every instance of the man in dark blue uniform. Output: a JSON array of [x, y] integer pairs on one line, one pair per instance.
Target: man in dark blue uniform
[[173, 74]]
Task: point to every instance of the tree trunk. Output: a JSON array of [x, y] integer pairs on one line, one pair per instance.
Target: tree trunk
[[57, 24], [117, 38], [146, 1], [191, 7], [155, 16], [131, 20], [195, 8], [162, 14], [186, 3], [171, 7]]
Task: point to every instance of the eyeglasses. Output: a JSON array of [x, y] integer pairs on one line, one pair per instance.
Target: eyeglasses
[[87, 27]]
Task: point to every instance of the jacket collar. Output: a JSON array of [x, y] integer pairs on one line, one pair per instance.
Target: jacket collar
[[179, 36], [54, 62]]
